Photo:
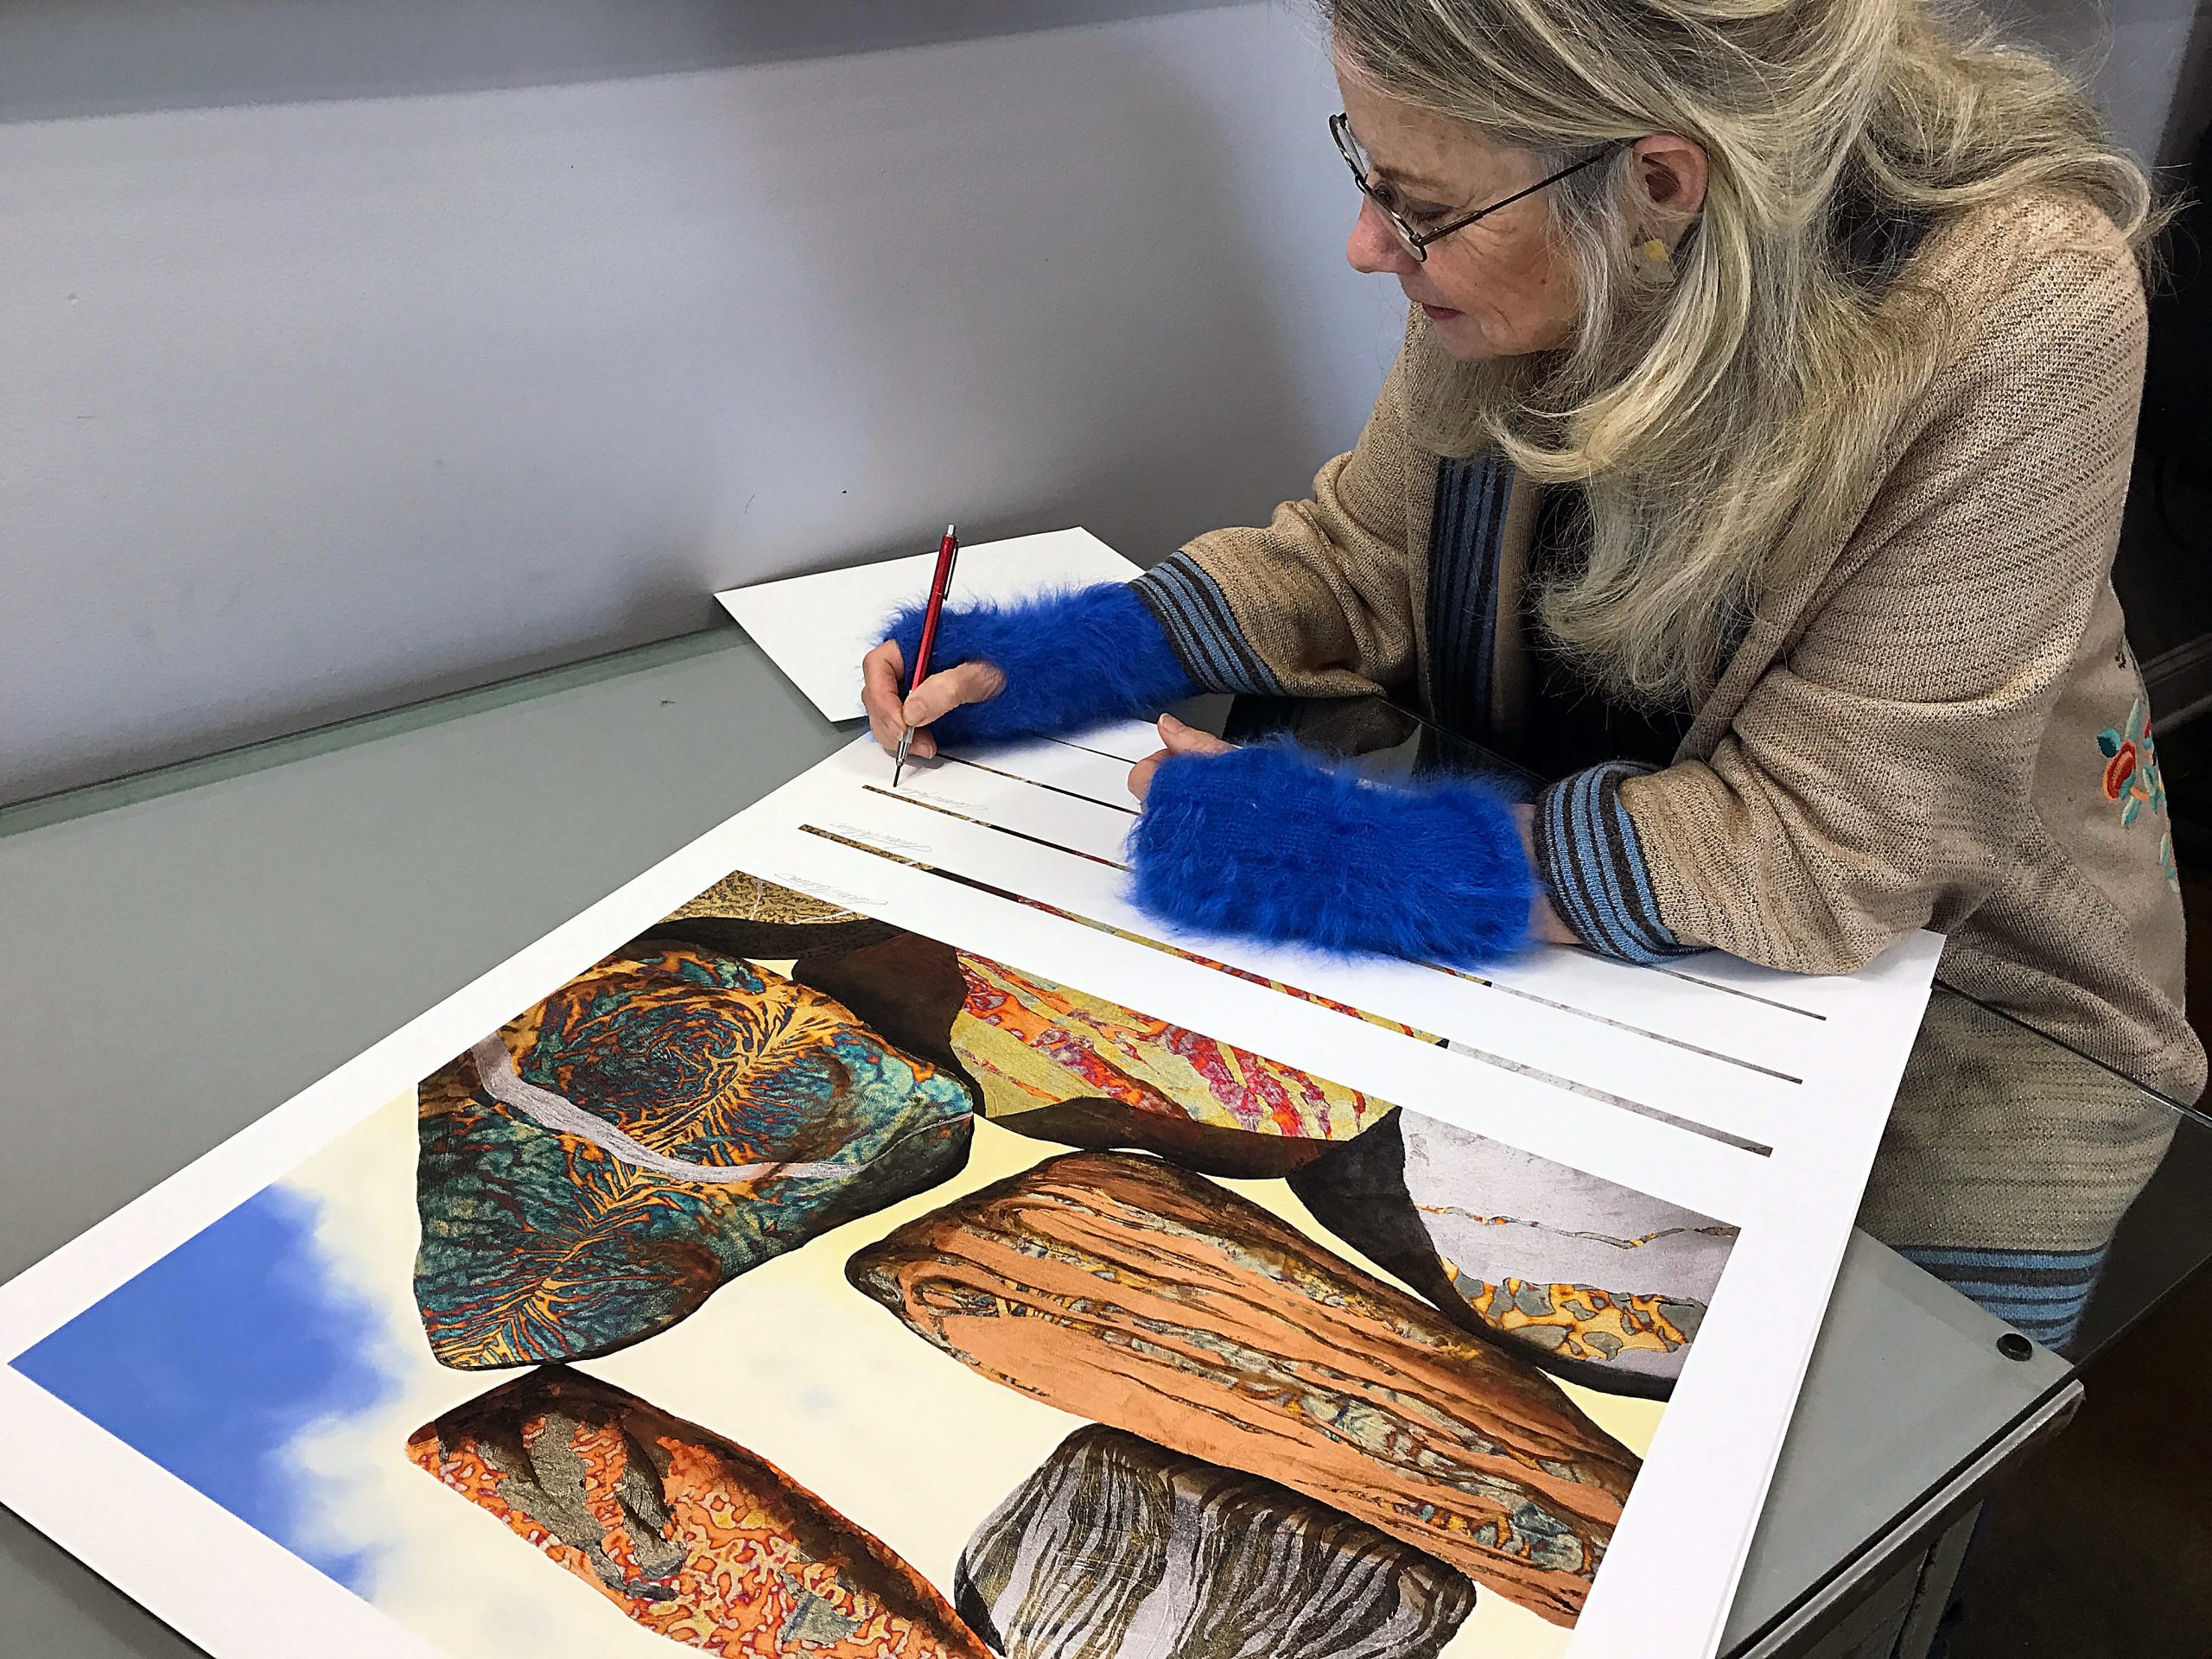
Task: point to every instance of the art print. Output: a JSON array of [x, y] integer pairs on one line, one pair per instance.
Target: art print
[[1006, 1320]]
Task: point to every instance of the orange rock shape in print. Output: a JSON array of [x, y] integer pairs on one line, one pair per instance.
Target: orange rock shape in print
[[691, 1535], [1064, 1065]]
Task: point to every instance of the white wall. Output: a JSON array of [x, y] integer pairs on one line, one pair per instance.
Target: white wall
[[309, 408]]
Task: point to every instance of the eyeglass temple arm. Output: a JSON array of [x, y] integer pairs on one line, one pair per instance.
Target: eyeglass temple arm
[[1425, 238]]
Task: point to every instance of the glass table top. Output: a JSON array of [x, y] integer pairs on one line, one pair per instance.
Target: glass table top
[[623, 759]]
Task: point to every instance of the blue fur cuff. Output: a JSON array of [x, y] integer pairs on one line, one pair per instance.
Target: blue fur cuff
[[1071, 659], [1265, 843]]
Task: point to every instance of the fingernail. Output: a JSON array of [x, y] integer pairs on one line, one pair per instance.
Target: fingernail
[[1168, 722]]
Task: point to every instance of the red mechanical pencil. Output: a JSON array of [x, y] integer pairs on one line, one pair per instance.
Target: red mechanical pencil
[[947, 551]]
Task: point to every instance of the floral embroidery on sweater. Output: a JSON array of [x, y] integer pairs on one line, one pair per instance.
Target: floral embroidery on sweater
[[2131, 776]]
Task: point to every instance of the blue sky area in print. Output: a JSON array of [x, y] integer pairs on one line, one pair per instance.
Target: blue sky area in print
[[212, 1361]]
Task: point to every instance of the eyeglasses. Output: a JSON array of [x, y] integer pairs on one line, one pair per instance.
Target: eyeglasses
[[1416, 242]]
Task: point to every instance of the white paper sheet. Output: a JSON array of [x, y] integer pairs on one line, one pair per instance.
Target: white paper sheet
[[817, 628], [1754, 1097]]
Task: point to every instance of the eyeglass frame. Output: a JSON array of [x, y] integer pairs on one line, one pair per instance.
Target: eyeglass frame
[[1417, 243]]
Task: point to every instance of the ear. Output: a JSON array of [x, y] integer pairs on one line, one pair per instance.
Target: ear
[[1674, 172]]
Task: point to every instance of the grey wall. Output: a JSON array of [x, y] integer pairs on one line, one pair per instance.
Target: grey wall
[[309, 407], [103, 56], [2130, 51]]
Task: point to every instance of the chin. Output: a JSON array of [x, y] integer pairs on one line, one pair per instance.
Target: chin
[[1463, 338]]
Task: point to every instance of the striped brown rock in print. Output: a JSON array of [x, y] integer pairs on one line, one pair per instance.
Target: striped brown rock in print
[[1116, 1549], [1120, 1289]]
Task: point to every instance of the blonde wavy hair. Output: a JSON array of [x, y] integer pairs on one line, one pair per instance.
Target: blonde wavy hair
[[1723, 411]]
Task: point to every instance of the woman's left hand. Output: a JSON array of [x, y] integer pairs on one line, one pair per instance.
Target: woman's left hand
[[1180, 739], [1544, 923]]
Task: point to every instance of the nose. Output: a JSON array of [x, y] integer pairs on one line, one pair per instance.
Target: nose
[[1374, 247]]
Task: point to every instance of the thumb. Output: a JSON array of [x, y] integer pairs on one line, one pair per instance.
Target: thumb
[[1183, 739]]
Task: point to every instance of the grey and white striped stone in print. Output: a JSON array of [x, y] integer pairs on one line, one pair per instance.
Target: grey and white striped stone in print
[[1116, 1549], [1597, 1283]]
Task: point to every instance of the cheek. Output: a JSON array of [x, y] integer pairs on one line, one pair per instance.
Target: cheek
[[1523, 300], [1467, 283]]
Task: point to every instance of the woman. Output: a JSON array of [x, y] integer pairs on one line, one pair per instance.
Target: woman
[[1755, 459]]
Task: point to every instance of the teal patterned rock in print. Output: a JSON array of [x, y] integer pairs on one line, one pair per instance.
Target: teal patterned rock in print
[[594, 1170]]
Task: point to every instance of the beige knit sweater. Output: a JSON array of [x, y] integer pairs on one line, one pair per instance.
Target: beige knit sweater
[[1941, 725]]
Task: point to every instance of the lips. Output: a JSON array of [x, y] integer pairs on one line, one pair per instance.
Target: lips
[[1436, 313]]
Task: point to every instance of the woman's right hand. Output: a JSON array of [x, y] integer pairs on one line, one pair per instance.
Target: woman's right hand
[[884, 668]]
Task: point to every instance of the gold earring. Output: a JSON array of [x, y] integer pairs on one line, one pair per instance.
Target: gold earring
[[1654, 252]]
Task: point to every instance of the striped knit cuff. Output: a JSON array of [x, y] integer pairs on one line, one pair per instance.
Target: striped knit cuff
[[1201, 629], [2040, 1294], [1592, 866]]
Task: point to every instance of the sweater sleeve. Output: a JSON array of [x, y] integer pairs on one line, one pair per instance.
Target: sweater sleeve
[[1265, 843], [1592, 865], [1318, 603], [1878, 776], [1071, 659]]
